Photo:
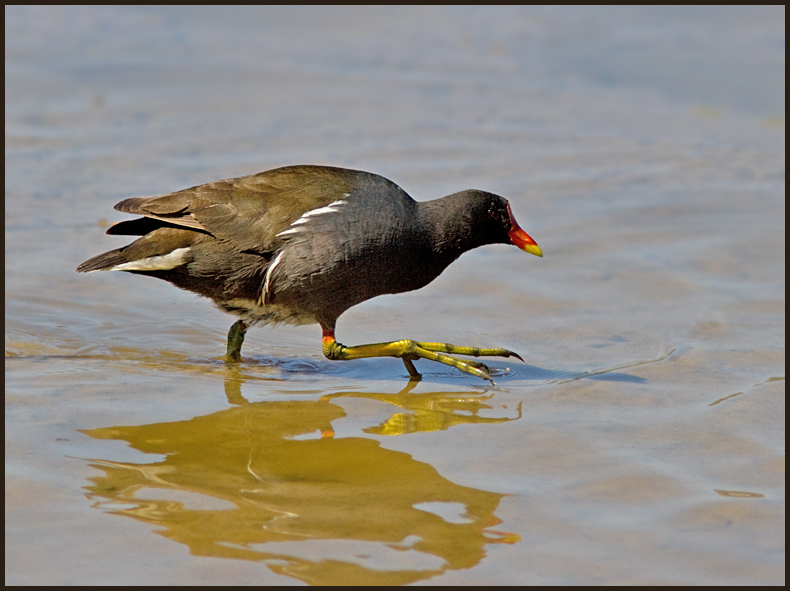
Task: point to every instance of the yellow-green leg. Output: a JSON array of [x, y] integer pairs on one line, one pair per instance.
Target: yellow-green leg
[[236, 340], [409, 351]]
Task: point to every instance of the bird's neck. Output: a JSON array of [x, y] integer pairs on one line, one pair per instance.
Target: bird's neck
[[450, 227]]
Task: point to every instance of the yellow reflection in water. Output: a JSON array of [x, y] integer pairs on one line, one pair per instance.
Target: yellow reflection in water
[[245, 483], [740, 494], [428, 412]]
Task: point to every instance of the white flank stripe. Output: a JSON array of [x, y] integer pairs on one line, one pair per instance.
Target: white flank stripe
[[331, 208], [327, 209], [157, 263], [275, 262]]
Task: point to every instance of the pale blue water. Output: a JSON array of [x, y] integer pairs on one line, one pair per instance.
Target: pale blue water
[[642, 442]]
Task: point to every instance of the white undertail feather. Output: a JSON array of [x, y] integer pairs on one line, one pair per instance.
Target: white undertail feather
[[164, 262]]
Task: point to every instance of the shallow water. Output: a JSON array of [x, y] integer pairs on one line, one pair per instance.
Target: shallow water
[[642, 442]]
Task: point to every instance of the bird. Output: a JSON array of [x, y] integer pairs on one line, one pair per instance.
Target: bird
[[302, 244]]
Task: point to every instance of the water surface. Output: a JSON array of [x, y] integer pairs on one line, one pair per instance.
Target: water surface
[[642, 441]]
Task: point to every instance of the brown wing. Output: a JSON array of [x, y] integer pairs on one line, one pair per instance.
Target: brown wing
[[247, 211]]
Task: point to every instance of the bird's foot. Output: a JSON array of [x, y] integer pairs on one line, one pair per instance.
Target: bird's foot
[[409, 351]]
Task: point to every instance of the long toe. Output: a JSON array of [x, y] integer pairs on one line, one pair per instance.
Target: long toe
[[477, 364]]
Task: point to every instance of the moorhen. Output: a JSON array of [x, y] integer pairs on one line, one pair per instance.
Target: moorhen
[[302, 244]]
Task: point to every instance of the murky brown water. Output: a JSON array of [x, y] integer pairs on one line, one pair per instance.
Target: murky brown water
[[642, 442]]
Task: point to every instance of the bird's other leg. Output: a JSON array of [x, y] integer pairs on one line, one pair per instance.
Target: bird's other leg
[[236, 340]]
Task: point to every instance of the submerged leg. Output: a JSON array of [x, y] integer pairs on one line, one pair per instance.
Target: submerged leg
[[409, 350], [414, 375], [235, 341]]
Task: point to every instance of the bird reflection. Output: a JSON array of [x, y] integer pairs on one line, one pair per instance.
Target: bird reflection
[[251, 482]]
